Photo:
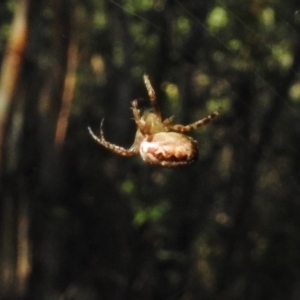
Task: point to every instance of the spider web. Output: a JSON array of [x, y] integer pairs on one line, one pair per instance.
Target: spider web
[[293, 14], [287, 21]]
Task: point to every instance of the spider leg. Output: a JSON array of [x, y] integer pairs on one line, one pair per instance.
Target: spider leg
[[114, 148], [168, 122], [136, 112], [139, 121], [195, 125], [152, 95]]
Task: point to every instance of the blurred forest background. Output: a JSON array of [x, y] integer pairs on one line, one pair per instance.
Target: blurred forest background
[[78, 222]]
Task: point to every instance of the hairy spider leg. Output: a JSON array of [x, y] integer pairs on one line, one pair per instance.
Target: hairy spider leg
[[137, 116], [115, 148], [152, 95], [168, 122], [195, 125], [136, 113]]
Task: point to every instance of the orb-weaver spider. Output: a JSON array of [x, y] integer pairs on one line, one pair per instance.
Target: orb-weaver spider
[[159, 142]]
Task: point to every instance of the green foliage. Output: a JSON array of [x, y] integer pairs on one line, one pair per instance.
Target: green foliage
[[224, 228], [217, 19], [150, 214]]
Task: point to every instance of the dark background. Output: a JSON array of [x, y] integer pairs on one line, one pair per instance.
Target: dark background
[[78, 222]]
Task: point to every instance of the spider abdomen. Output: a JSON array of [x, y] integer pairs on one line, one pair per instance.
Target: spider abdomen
[[169, 149]]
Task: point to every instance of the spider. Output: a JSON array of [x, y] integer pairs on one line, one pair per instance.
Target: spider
[[159, 142]]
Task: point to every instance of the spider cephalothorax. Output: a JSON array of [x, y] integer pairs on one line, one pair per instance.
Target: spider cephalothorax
[[159, 142]]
